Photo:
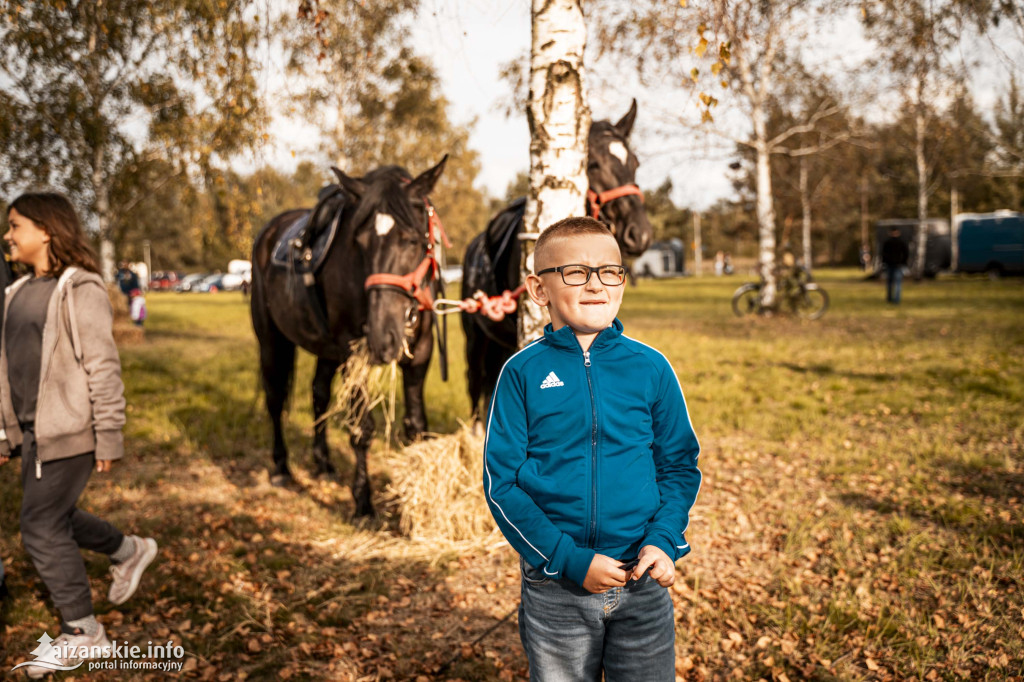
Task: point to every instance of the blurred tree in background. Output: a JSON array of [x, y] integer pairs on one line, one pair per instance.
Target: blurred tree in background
[[96, 93], [377, 102]]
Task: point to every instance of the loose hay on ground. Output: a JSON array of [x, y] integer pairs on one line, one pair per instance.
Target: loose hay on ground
[[436, 490]]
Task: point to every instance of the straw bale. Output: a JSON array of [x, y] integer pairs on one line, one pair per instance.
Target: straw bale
[[436, 488]]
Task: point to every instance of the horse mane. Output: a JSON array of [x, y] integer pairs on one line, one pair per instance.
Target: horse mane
[[384, 188]]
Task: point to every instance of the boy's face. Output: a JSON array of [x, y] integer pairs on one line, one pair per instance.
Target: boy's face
[[587, 308]]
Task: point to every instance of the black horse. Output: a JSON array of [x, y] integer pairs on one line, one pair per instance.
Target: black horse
[[375, 279], [491, 264]]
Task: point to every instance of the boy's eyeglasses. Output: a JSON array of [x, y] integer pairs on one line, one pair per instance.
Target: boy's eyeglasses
[[578, 275]]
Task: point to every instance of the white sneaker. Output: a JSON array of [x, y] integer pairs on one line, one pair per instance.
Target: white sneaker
[[127, 574], [68, 651]]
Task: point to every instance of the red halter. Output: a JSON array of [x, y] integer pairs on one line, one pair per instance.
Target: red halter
[[596, 201], [412, 283]]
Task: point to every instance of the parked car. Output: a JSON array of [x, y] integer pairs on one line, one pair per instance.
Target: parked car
[[190, 282], [221, 282], [242, 268], [164, 280]]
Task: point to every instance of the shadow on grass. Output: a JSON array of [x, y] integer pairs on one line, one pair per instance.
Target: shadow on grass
[[982, 481], [187, 335], [827, 370], [968, 518]]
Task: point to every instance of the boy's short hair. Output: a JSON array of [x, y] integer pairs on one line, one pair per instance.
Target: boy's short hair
[[575, 226]]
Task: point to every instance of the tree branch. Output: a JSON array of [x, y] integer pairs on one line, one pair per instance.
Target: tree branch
[[808, 127], [149, 192], [818, 148]]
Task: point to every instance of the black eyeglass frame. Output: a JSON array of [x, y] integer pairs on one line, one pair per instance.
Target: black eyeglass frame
[[590, 271]]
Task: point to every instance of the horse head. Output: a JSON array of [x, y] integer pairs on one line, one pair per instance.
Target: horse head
[[393, 233], [614, 196]]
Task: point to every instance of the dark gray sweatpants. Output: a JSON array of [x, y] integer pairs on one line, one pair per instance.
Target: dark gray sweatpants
[[53, 528]]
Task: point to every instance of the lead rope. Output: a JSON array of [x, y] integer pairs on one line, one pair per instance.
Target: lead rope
[[493, 307]]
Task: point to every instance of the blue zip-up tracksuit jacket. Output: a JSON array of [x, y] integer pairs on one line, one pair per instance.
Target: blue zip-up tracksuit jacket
[[589, 452]]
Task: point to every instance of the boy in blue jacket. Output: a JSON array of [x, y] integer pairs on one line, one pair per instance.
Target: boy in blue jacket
[[590, 470]]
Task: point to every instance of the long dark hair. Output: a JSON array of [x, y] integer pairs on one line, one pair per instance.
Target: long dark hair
[[53, 213]]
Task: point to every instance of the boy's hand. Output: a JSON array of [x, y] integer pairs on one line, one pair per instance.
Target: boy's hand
[[4, 459], [604, 574], [662, 568], [104, 465]]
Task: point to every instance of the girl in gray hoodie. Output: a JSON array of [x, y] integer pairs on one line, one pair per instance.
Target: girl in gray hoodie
[[61, 410]]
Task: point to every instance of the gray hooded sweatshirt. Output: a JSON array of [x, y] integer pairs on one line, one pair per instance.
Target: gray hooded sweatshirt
[[80, 407]]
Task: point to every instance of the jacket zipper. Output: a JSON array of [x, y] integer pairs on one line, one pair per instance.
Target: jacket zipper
[[593, 452]]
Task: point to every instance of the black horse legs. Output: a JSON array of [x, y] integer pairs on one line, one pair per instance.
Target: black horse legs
[[485, 360], [277, 360], [360, 438], [322, 380], [474, 375], [414, 374], [414, 423]]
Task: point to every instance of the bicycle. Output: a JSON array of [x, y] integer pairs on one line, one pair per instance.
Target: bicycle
[[799, 295]]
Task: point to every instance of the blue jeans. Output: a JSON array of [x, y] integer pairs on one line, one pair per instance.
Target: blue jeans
[[571, 635], [894, 285]]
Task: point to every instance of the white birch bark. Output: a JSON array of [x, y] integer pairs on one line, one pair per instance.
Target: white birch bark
[[101, 205], [805, 209], [756, 84], [865, 243], [920, 123], [559, 124], [765, 210]]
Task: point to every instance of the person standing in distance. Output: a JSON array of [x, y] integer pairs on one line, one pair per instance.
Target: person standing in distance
[[590, 471], [895, 256]]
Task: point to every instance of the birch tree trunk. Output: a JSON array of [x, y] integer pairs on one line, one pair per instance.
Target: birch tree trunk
[[101, 195], [922, 180], [559, 124], [755, 71], [805, 206], [765, 206], [865, 243], [92, 76]]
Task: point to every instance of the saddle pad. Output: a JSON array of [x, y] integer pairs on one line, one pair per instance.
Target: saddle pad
[[303, 246]]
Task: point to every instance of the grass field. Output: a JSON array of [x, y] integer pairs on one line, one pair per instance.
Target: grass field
[[861, 516]]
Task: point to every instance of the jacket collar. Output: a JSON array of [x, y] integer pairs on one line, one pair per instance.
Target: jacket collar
[[566, 339]]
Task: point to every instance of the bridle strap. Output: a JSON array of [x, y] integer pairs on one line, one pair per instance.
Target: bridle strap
[[597, 200], [411, 284]]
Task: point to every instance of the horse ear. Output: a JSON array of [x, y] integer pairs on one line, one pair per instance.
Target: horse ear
[[356, 187], [424, 183], [625, 124]]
